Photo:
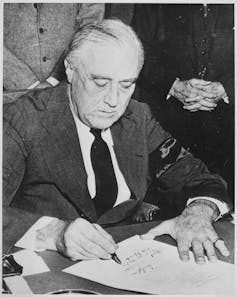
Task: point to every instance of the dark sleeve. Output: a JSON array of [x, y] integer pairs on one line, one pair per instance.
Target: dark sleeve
[[228, 83], [58, 71], [174, 170], [15, 221]]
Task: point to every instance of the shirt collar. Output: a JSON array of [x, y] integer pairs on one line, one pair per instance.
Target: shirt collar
[[84, 129]]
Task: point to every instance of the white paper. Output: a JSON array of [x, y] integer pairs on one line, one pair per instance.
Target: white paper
[[31, 262], [18, 285], [153, 267], [27, 241]]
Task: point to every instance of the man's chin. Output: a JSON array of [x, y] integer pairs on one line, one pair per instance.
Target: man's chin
[[102, 125]]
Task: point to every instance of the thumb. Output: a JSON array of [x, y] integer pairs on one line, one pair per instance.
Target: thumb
[[198, 82], [163, 228]]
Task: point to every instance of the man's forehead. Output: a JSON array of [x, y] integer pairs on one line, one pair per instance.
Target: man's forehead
[[111, 61]]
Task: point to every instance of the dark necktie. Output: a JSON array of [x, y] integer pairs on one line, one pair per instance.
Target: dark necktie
[[106, 184]]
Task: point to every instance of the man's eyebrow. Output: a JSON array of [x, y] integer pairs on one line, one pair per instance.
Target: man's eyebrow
[[132, 80], [95, 76]]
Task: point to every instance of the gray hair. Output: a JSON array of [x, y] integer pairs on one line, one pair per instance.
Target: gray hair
[[103, 32]]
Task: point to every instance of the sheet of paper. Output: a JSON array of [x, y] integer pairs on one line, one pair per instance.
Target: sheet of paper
[[153, 267], [31, 262], [18, 285], [27, 241]]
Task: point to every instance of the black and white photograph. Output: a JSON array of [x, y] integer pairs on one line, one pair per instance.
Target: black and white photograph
[[118, 148]]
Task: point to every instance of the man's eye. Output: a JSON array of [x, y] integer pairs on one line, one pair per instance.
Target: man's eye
[[101, 82], [126, 85]]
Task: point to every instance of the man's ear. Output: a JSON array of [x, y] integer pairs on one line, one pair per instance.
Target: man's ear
[[69, 70]]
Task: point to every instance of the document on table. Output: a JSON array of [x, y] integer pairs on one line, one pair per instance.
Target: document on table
[[153, 267]]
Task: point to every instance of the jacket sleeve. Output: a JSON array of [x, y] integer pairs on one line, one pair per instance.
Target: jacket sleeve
[[174, 170], [16, 74], [90, 12], [15, 221]]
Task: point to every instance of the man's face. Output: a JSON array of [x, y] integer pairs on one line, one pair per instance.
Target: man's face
[[102, 84]]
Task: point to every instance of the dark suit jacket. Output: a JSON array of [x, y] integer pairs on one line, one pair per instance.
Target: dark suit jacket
[[44, 174]]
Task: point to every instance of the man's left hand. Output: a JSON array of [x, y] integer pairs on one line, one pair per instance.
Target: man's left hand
[[192, 229], [216, 90]]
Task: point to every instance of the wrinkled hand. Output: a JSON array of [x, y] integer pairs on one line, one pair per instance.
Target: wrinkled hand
[[196, 94], [199, 103], [187, 89], [206, 103], [77, 240], [191, 229], [216, 89]]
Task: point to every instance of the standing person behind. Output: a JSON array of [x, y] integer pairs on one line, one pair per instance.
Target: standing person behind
[[35, 38], [194, 43], [81, 152]]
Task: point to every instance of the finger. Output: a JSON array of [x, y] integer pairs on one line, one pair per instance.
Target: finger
[[163, 228], [95, 249], [195, 106], [205, 92], [220, 245], [105, 234], [193, 99], [75, 252], [207, 103], [199, 82], [94, 236], [198, 251], [210, 251], [89, 238], [203, 108], [183, 249], [81, 248]]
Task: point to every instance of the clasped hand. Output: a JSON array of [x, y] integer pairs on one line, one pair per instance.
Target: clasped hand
[[198, 94]]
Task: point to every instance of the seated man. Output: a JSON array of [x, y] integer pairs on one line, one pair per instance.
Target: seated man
[[79, 153]]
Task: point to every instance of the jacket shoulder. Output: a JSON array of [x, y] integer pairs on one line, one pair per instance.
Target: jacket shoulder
[[25, 112]]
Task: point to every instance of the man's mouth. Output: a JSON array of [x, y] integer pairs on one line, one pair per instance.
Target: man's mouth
[[107, 113]]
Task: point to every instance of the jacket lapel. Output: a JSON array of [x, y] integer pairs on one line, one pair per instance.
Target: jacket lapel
[[64, 157], [130, 155]]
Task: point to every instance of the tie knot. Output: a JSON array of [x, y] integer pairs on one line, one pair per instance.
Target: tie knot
[[96, 132]]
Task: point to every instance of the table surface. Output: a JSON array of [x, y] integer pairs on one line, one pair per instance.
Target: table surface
[[55, 279]]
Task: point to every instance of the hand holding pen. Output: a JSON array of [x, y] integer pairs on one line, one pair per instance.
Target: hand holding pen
[[103, 232], [81, 240]]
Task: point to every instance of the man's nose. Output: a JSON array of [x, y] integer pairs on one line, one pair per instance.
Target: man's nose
[[112, 96]]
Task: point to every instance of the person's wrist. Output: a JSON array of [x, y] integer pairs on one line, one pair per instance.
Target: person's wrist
[[204, 208], [174, 87]]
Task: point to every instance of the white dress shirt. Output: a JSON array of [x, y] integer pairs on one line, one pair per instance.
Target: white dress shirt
[[86, 139]]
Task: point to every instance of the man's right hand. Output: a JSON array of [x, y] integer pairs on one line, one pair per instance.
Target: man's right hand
[[78, 240]]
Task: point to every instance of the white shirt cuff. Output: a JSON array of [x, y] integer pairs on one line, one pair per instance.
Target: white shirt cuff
[[53, 81], [222, 206], [35, 84], [27, 241], [169, 94], [226, 99]]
